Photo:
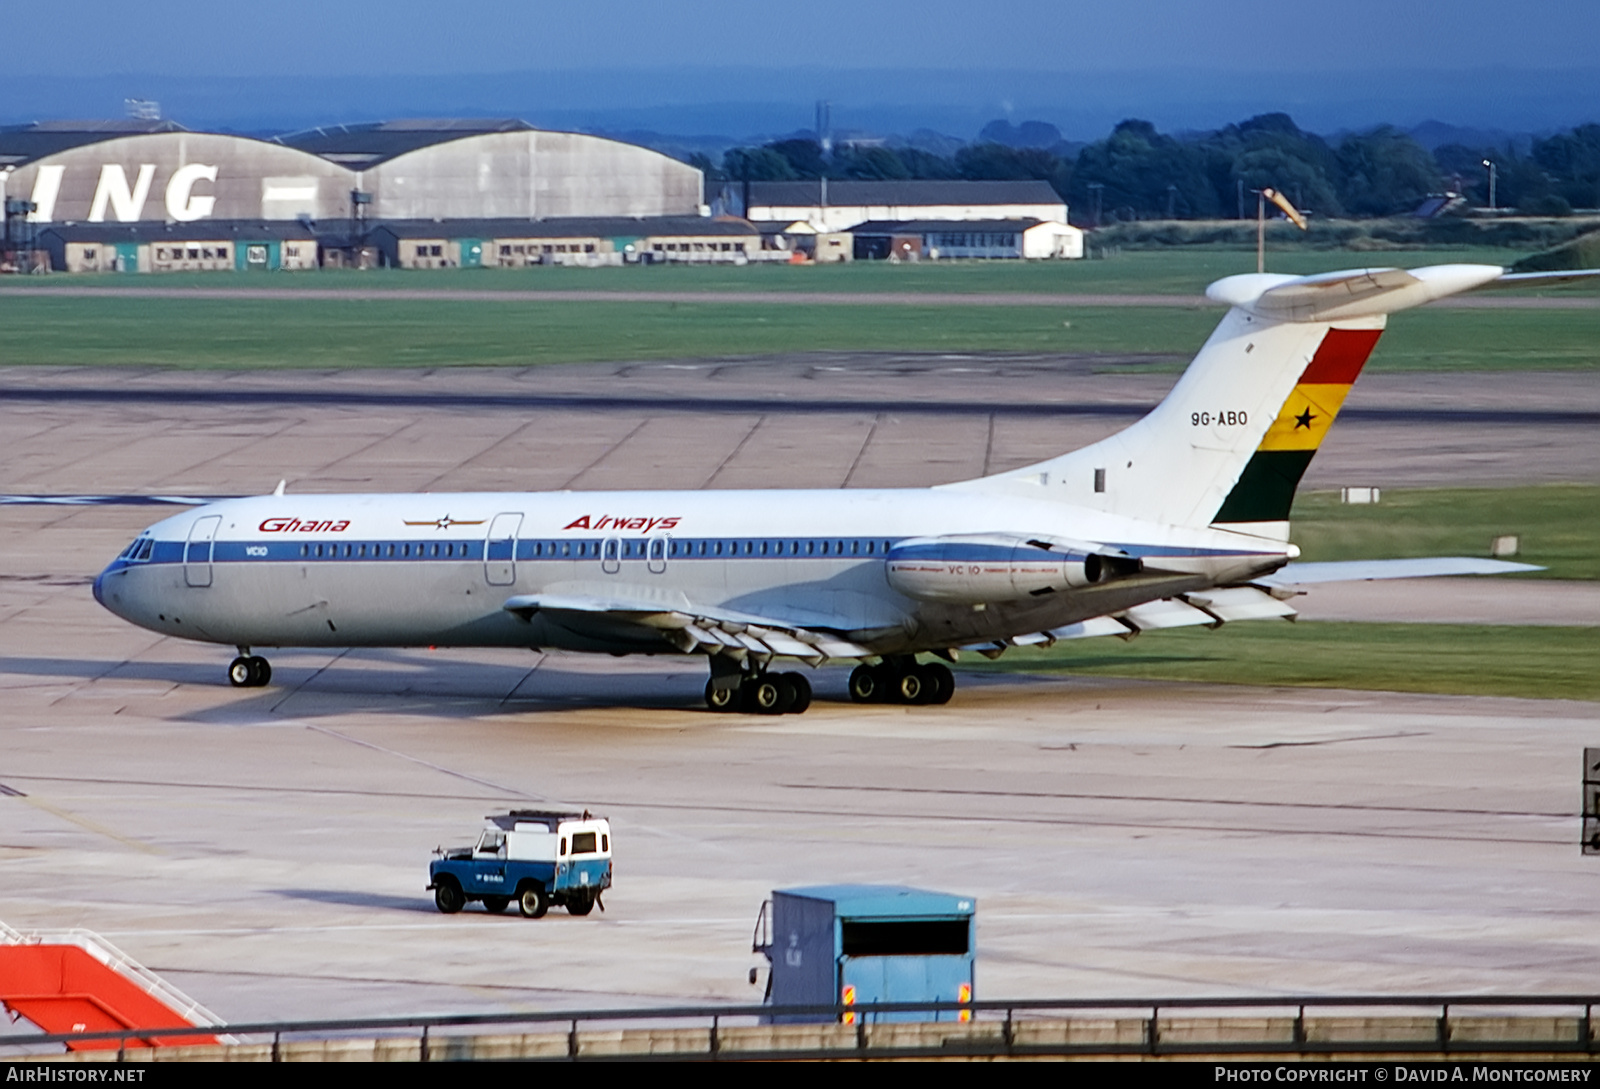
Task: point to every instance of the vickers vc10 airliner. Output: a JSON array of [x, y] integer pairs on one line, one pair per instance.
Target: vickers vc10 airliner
[[1180, 519]]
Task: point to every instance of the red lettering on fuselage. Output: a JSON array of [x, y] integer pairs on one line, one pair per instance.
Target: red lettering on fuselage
[[607, 521], [295, 525]]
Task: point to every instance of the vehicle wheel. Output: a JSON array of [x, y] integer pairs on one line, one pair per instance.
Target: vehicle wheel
[[494, 905], [763, 696], [580, 903], [263, 670], [721, 699], [908, 687], [866, 684], [533, 902], [447, 897], [802, 692], [242, 673]]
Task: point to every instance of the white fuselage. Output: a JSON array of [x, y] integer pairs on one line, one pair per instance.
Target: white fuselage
[[437, 569]]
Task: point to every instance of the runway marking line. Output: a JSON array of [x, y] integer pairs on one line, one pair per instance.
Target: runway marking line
[[82, 822]]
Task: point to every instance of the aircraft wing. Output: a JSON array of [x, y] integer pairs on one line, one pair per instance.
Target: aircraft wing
[[1207, 608], [1302, 574], [696, 629], [1263, 599], [1543, 279]]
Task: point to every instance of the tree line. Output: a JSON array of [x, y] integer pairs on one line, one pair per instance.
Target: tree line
[[1139, 173]]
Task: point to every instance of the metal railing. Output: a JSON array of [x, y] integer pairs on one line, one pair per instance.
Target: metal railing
[[996, 1028]]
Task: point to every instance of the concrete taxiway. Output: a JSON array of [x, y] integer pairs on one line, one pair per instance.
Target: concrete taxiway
[[266, 850]]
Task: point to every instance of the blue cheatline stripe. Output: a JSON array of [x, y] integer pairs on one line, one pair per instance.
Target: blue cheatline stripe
[[631, 550], [112, 500]]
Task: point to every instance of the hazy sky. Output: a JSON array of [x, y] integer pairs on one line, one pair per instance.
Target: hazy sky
[[296, 37], [750, 67]]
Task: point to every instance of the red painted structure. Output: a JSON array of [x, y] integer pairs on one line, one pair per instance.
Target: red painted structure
[[77, 983]]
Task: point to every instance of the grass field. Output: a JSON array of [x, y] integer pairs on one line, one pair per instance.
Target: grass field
[[1474, 660], [1559, 525], [361, 332], [1177, 271]]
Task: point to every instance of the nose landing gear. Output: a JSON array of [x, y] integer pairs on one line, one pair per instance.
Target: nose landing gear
[[249, 670]]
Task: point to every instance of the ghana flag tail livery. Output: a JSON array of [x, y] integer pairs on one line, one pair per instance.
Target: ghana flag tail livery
[[1227, 446], [1259, 502]]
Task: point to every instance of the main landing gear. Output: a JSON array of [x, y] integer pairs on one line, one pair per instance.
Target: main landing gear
[[902, 680], [760, 694], [249, 670]]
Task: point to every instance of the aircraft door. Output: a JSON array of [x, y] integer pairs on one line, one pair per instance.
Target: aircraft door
[[611, 555], [656, 553], [500, 549], [197, 550]]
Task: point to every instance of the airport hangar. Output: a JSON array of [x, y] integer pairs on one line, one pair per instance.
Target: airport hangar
[[151, 196]]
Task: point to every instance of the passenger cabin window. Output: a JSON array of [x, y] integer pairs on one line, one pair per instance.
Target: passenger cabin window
[[583, 843], [563, 848], [492, 842], [605, 842]]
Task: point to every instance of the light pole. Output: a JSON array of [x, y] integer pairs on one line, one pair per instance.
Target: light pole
[[1096, 188], [1172, 201], [1492, 172]]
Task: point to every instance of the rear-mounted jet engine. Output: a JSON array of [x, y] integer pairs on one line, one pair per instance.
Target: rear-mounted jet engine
[[998, 567]]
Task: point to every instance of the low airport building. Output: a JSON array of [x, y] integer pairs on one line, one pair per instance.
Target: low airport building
[[915, 220], [214, 246], [583, 242], [833, 205], [917, 240]]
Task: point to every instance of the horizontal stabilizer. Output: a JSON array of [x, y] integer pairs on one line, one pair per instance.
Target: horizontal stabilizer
[[1350, 294], [1302, 574]]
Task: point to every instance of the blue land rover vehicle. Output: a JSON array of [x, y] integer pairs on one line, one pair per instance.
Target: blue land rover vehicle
[[535, 857]]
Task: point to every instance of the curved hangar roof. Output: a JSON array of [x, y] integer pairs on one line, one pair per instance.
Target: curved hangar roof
[[412, 170]]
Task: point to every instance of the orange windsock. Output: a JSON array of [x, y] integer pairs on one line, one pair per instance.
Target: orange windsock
[[1288, 209]]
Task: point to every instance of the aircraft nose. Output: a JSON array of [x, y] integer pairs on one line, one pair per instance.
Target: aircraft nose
[[98, 579]]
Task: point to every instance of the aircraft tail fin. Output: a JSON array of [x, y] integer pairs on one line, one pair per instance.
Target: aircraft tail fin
[[1230, 442]]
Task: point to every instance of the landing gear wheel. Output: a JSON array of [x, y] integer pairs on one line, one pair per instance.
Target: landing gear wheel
[[721, 699], [763, 695], [908, 687], [580, 903], [249, 672], [533, 903], [866, 684], [494, 905], [447, 898], [938, 683], [802, 692]]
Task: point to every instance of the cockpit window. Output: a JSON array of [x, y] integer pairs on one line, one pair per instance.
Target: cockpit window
[[138, 550]]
